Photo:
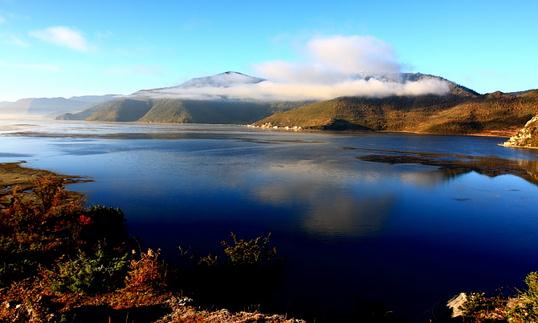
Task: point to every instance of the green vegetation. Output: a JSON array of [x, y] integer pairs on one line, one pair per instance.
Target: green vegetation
[[192, 111], [180, 111], [125, 110], [95, 273]]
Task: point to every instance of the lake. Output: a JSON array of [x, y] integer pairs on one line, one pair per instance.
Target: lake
[[407, 235]]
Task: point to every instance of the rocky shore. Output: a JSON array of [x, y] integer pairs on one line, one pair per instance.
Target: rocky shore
[[527, 137]]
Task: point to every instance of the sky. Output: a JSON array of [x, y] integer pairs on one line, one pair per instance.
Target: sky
[[65, 48]]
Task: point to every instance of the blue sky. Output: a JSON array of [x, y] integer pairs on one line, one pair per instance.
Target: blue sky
[[64, 48]]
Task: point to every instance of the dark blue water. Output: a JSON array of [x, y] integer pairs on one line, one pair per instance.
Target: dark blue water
[[408, 236]]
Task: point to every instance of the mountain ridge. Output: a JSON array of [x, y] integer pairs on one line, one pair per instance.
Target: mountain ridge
[[52, 107], [460, 111], [221, 80]]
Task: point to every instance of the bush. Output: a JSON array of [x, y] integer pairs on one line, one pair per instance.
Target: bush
[[521, 308], [256, 251], [525, 307], [50, 192], [149, 272], [89, 274], [480, 307]]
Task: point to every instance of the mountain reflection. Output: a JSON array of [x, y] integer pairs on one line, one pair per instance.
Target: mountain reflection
[[453, 165]]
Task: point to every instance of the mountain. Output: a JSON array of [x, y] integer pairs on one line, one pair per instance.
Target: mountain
[[462, 111], [222, 80], [51, 107], [175, 104], [527, 137]]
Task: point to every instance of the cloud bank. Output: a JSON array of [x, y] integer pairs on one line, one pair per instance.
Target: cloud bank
[[270, 90], [62, 36], [335, 58], [331, 67]]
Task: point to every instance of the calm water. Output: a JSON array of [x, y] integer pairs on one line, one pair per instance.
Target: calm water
[[407, 235]]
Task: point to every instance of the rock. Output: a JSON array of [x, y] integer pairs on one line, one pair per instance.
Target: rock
[[456, 303], [527, 137]]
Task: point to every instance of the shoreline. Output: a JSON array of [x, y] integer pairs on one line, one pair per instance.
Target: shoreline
[[15, 174], [294, 129]]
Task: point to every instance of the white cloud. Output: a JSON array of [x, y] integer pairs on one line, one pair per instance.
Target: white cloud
[[282, 71], [336, 57], [355, 55], [332, 67], [294, 91], [62, 36], [2, 19]]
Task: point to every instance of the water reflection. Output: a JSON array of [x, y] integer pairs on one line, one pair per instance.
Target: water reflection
[[453, 165], [347, 216], [427, 178], [330, 202]]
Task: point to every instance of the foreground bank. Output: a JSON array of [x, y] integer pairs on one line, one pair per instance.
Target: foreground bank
[[63, 261]]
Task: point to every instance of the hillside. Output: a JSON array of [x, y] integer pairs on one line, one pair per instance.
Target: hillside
[[457, 113], [178, 104], [201, 111], [123, 110], [179, 111]]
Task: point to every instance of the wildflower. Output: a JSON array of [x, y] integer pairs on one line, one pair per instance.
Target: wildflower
[[84, 220]]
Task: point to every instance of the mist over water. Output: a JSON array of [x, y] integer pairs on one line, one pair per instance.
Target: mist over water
[[405, 235]]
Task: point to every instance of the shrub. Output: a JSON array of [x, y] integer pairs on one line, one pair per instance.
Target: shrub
[[209, 261], [525, 307], [256, 251], [149, 272], [20, 213], [49, 191], [85, 274], [480, 307]]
